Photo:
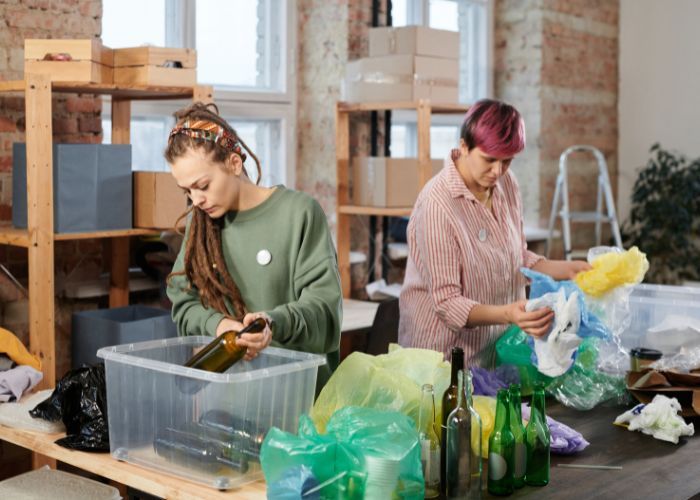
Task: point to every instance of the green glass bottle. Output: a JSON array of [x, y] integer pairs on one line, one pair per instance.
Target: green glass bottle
[[537, 440], [223, 352], [449, 403], [518, 430], [430, 444], [501, 449]]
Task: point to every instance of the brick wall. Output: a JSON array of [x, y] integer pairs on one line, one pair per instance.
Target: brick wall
[[76, 119], [557, 61]]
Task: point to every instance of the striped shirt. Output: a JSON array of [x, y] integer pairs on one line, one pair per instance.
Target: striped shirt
[[461, 254]]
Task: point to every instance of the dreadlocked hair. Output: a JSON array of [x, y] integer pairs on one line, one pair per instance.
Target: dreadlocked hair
[[205, 268]]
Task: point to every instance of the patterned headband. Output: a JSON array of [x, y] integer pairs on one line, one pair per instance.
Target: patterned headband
[[209, 131]]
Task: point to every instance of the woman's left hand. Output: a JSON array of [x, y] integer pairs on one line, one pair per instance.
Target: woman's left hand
[[562, 269], [255, 342]]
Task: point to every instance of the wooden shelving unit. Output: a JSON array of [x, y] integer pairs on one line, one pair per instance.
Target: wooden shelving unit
[[39, 237], [345, 211]]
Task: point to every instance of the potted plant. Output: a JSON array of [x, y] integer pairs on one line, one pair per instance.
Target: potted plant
[[665, 217]]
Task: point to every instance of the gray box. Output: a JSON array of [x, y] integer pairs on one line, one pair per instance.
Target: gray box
[[92, 330], [91, 187]]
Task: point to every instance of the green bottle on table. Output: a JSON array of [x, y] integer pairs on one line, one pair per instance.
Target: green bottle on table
[[537, 440], [518, 430], [501, 449]]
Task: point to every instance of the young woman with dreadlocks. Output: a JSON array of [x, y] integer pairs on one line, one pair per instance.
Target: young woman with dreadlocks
[[249, 251]]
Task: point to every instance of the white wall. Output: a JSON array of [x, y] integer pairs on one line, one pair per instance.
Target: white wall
[[659, 84]]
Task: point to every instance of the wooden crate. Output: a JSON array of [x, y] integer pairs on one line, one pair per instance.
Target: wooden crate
[[155, 66], [85, 60]]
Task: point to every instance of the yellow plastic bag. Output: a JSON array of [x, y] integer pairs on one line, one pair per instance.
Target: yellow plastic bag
[[611, 270], [485, 406], [387, 382]]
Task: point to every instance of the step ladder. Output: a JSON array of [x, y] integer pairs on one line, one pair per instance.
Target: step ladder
[[560, 205]]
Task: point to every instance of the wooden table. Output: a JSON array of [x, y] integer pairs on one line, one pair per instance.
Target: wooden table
[[651, 469], [148, 481]]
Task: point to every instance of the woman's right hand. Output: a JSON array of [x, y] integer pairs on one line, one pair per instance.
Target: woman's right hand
[[227, 325], [535, 323]]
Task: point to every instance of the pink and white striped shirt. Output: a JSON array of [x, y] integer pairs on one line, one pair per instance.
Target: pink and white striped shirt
[[461, 254]]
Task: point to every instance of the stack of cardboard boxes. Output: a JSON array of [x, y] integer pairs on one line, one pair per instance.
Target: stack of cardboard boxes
[[404, 64]]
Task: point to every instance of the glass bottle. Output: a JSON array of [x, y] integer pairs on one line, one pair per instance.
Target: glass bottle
[[223, 352], [518, 430], [537, 440], [463, 444], [429, 442], [449, 403], [191, 450], [501, 449]]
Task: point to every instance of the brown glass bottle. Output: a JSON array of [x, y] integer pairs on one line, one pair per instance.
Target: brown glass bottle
[[449, 403], [223, 352]]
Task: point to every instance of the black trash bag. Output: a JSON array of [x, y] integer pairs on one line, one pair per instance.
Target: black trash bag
[[80, 401]]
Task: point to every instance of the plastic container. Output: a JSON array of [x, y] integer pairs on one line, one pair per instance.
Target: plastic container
[[46, 483], [641, 357], [662, 317], [151, 397]]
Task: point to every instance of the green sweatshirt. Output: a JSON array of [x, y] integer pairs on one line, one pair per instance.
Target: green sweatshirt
[[299, 287]]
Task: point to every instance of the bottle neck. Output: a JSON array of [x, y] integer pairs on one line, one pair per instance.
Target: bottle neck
[[457, 365], [537, 405], [515, 405], [502, 410], [460, 388], [426, 412]]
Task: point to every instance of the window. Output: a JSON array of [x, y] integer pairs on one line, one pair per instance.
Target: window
[[473, 20], [244, 50]]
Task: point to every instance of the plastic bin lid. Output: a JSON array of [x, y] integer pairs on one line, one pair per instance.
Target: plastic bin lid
[[46, 483]]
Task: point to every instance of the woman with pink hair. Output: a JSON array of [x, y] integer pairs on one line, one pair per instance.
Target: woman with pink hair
[[466, 245]]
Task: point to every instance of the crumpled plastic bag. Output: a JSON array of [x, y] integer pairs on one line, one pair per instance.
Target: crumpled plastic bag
[[485, 406], [390, 381], [488, 382], [612, 269], [338, 458], [555, 352], [80, 401], [513, 349], [296, 483], [658, 419], [564, 439], [541, 284]]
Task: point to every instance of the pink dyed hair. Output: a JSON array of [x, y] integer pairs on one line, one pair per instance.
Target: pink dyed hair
[[494, 127]]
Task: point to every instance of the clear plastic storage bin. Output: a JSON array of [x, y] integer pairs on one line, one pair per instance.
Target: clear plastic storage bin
[[203, 426], [663, 317]]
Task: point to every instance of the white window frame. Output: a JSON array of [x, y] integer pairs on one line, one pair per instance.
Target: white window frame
[[180, 20]]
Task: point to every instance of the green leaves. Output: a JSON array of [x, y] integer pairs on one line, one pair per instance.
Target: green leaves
[[665, 218]]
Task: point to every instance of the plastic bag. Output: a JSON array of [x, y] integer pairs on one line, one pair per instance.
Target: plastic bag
[[16, 415], [514, 348], [387, 382], [344, 463], [612, 268], [486, 408], [80, 401]]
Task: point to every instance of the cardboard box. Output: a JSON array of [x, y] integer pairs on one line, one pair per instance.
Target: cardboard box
[[387, 182], [155, 66], [413, 40], [402, 78], [685, 387], [91, 187], [158, 201], [70, 60]]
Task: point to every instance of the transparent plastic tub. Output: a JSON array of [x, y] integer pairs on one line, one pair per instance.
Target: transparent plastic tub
[[203, 426], [662, 317]]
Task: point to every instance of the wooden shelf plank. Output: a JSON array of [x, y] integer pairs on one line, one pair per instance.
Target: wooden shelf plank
[[12, 86], [441, 108], [103, 464], [14, 237], [115, 233], [122, 91], [364, 210]]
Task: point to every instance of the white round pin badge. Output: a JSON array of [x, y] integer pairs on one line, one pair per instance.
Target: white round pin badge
[[482, 235], [264, 257]]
